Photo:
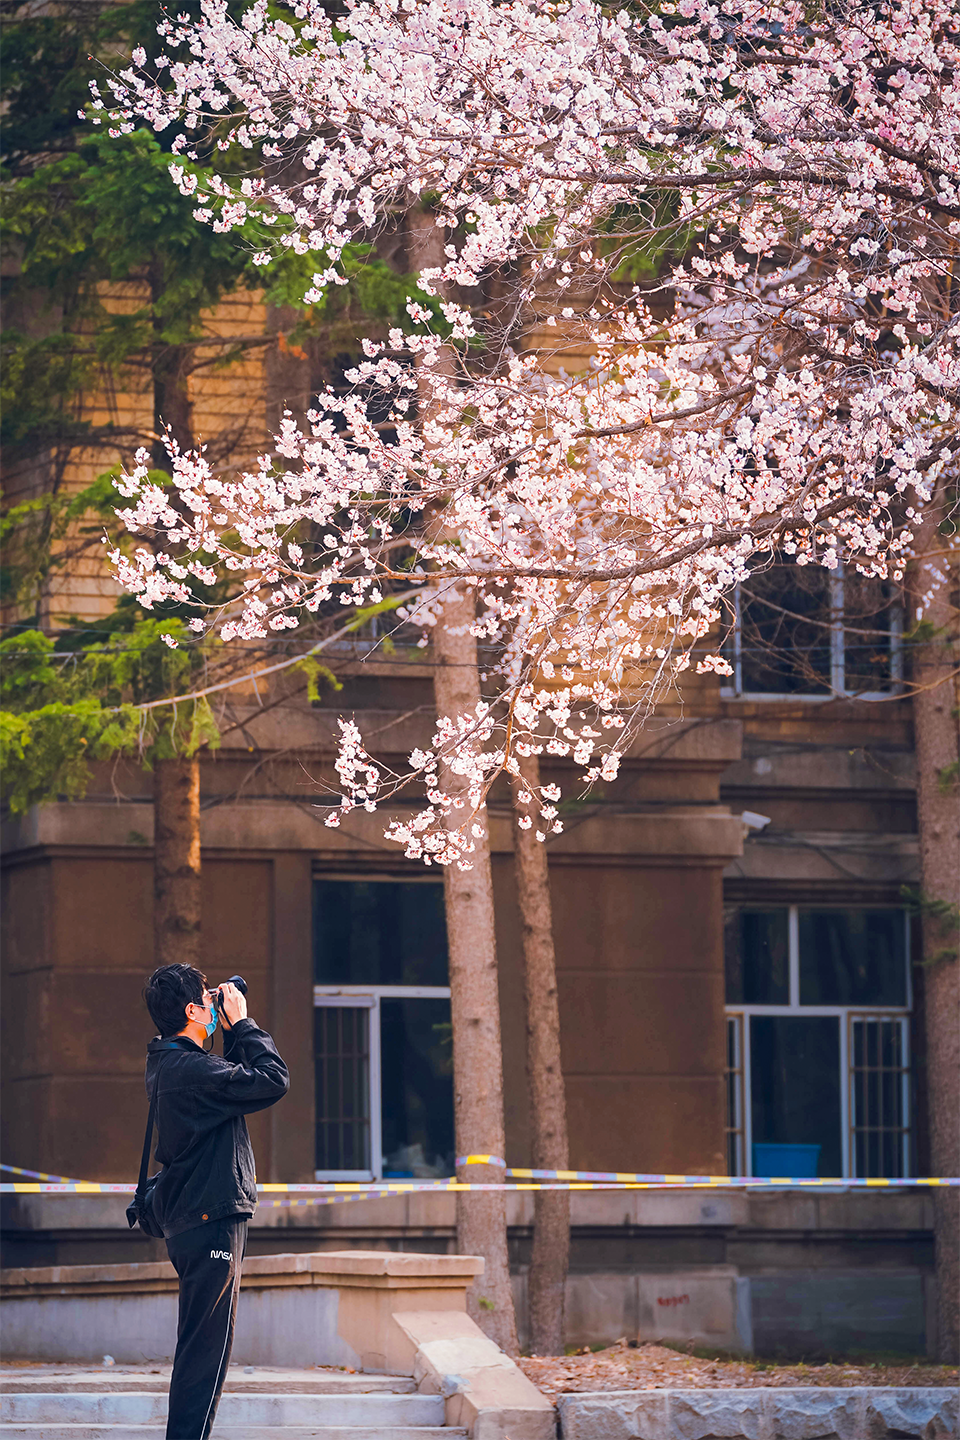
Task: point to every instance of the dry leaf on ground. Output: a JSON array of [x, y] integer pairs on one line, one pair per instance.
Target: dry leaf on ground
[[655, 1367]]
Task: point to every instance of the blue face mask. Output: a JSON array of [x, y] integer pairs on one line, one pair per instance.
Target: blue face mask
[[211, 1024]]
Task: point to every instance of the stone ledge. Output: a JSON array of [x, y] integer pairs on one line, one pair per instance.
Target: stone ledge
[[837, 1211], [336, 1269], [140, 1278], [365, 1269], [485, 1392], [763, 1413], [675, 831]]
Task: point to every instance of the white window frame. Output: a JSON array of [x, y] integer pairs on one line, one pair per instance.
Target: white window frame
[[369, 997], [359, 1000], [845, 1015], [838, 687]]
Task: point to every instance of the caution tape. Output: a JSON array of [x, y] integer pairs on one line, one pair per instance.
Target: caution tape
[[373, 1189], [68, 1187], [632, 1180], [317, 1200], [326, 1192], [40, 1175], [354, 1189]]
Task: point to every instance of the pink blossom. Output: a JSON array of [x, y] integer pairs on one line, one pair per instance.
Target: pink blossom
[[789, 381]]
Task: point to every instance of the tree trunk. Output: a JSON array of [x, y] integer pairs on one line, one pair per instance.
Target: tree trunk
[[173, 409], [474, 1004], [176, 782], [172, 406], [548, 1111], [176, 861], [936, 742], [471, 941]]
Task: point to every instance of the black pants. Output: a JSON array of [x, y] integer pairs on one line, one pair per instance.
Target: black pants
[[208, 1260]]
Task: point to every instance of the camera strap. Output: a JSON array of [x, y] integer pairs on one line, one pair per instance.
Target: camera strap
[[151, 1116]]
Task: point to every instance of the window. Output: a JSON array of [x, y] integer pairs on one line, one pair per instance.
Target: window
[[801, 630], [818, 1075], [382, 1033], [382, 403]]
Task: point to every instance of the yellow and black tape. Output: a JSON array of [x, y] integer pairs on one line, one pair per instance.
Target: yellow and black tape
[[325, 1192]]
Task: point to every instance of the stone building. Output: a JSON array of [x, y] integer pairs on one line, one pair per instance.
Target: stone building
[[736, 990]]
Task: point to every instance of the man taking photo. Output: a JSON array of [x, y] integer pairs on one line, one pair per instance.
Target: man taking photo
[[206, 1192]]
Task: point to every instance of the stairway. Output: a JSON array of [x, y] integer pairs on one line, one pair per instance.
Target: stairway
[[46, 1402]]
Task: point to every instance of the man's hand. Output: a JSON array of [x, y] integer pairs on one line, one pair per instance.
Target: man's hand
[[234, 1006]]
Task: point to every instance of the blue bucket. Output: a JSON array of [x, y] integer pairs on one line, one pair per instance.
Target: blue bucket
[[789, 1162]]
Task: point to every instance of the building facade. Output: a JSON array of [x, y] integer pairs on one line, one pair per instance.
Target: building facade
[[734, 962], [736, 994]]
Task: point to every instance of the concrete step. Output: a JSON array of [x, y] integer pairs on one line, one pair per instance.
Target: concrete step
[[241, 1380], [132, 1407], [42, 1430]]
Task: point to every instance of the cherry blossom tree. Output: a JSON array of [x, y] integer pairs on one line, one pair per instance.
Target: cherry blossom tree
[[749, 216], [789, 382]]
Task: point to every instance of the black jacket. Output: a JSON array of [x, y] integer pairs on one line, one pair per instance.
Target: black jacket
[[202, 1141]]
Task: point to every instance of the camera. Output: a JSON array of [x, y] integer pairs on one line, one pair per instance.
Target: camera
[[237, 980]]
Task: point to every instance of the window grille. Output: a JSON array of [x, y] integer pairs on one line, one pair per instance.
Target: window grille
[[806, 632], [879, 1096], [735, 1093], [342, 1069]]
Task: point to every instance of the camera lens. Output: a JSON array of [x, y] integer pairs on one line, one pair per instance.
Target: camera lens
[[237, 980]]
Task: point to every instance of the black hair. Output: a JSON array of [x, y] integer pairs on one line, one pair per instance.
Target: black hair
[[169, 991]]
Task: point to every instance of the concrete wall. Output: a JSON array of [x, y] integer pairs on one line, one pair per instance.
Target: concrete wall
[[825, 1273], [818, 1312], [77, 948], [640, 975]]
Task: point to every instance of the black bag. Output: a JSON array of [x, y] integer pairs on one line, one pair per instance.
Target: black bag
[[140, 1209]]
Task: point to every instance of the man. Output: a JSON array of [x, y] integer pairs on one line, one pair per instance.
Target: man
[[207, 1190]]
